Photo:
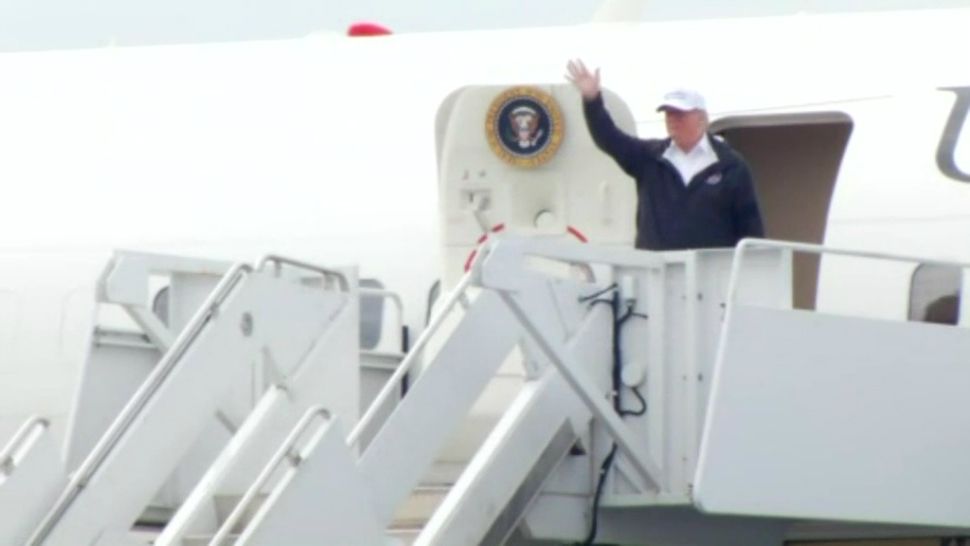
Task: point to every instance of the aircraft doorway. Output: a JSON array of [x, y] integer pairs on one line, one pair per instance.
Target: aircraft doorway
[[795, 161]]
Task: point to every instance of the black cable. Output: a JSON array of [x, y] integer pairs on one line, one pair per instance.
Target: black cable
[[604, 470], [617, 371], [626, 316], [593, 296], [630, 313], [617, 384], [643, 405], [616, 379], [618, 356]]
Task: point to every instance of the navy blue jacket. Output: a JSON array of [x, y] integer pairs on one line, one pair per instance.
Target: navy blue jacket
[[717, 208]]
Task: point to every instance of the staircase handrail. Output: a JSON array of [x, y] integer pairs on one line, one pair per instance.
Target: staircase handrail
[[808, 248], [140, 399], [327, 273], [19, 440], [391, 384], [284, 452]]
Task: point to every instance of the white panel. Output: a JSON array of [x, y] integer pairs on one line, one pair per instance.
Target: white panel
[[494, 487], [294, 513], [235, 468], [825, 417], [111, 375], [437, 402], [45, 316], [27, 493]]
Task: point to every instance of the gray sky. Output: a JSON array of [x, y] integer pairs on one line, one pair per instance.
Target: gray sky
[[56, 24]]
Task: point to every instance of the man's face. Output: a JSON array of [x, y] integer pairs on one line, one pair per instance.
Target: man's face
[[685, 128]]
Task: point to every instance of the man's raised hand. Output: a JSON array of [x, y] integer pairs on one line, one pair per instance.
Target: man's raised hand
[[588, 83]]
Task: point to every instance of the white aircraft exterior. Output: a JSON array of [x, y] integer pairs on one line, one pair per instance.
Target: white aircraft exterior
[[324, 148]]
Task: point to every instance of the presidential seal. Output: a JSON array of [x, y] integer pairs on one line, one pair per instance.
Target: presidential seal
[[524, 126]]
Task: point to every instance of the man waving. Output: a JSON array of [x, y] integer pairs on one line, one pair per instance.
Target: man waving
[[693, 190]]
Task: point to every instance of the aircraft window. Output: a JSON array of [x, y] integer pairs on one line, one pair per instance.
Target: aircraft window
[[371, 315], [934, 294], [160, 305]]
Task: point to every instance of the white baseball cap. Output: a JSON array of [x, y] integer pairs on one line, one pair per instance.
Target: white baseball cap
[[684, 100]]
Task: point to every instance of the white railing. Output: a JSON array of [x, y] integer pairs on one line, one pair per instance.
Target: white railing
[[285, 452], [25, 437], [280, 261], [456, 296], [746, 245]]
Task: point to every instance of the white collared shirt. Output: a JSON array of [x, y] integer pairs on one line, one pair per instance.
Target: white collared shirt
[[689, 164]]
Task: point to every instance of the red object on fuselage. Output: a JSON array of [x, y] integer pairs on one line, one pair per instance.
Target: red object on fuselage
[[367, 29]]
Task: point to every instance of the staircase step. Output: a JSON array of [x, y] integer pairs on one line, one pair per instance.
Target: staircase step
[[225, 504], [155, 515], [404, 536], [418, 508], [203, 540]]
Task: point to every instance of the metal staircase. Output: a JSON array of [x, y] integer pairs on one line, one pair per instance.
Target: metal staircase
[[239, 328], [669, 398], [551, 414], [562, 461]]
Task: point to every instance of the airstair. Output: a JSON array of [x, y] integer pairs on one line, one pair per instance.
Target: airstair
[[671, 398], [262, 333]]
